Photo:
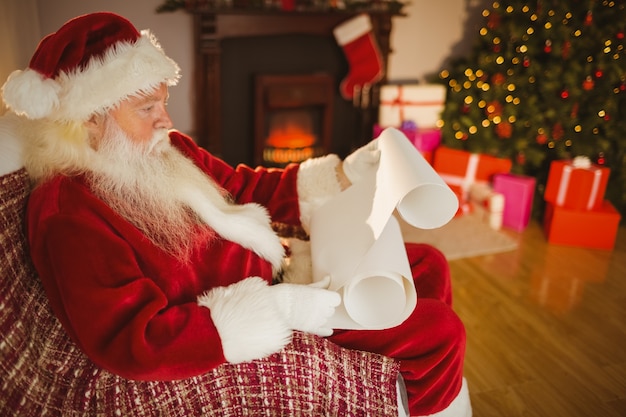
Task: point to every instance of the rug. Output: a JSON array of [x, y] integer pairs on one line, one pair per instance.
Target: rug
[[464, 236]]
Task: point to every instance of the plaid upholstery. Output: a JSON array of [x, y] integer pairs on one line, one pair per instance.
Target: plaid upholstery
[[43, 373]]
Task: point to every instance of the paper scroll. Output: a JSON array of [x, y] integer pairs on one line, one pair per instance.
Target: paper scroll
[[356, 240]]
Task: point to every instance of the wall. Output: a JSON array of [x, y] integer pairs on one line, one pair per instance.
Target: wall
[[431, 34], [17, 54], [173, 30], [422, 41]]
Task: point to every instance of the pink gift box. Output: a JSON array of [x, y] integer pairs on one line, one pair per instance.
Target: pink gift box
[[518, 191], [425, 140]]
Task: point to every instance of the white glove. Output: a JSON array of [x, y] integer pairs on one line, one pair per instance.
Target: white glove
[[306, 307], [255, 319], [362, 160]]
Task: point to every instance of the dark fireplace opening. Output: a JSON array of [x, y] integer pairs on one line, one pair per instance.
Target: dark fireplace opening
[[293, 117], [247, 59]]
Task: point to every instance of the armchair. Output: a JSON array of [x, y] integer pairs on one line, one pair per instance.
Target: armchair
[[44, 373]]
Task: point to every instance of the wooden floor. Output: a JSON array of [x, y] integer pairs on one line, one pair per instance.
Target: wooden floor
[[546, 329]]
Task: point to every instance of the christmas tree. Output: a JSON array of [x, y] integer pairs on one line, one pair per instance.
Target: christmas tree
[[546, 80]]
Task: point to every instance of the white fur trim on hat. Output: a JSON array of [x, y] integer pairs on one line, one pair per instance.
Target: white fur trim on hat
[[125, 70]]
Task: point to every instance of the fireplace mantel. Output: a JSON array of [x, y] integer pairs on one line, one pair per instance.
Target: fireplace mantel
[[211, 27]]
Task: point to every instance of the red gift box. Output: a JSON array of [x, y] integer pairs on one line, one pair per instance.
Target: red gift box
[[460, 169], [576, 184], [586, 228], [518, 191]]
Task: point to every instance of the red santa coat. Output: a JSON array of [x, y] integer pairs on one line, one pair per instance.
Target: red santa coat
[[128, 304], [133, 309]]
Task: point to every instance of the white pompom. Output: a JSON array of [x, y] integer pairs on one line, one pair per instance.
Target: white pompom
[[29, 94]]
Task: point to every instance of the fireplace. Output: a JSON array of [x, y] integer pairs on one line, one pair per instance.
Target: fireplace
[[235, 49], [293, 117]]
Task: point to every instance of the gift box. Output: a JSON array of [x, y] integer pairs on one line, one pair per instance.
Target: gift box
[[576, 184], [518, 191], [419, 103], [584, 228], [491, 203], [460, 169], [426, 140]]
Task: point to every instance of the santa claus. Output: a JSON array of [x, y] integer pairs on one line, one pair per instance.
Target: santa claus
[[158, 258]]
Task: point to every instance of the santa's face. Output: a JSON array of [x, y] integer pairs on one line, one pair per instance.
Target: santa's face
[[143, 177], [140, 116]]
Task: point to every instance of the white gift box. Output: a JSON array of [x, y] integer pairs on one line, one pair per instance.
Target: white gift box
[[490, 201], [420, 103]]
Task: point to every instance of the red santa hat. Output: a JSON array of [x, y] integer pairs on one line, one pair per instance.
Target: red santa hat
[[90, 64]]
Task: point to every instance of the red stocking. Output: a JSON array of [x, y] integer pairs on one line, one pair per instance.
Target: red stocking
[[361, 50]]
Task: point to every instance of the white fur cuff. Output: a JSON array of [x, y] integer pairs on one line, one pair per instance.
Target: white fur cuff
[[247, 319], [317, 182]]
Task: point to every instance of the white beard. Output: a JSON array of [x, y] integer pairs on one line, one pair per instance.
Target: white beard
[[166, 196]]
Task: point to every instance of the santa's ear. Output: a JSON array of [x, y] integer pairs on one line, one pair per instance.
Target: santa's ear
[[95, 126]]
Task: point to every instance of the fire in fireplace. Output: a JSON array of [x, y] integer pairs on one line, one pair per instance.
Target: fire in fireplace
[[291, 137], [293, 117]]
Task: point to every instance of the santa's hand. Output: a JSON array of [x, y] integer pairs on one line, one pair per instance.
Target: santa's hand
[[247, 319], [306, 307], [361, 161]]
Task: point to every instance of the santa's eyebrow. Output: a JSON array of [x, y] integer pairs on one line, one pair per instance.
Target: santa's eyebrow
[[153, 97]]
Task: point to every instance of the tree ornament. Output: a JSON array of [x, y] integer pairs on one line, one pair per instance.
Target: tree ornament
[[588, 83], [493, 22], [557, 131], [566, 48], [520, 158], [601, 160], [564, 94], [574, 113], [504, 130], [493, 109], [498, 79], [620, 35], [547, 47], [589, 18], [526, 62], [542, 138], [599, 73]]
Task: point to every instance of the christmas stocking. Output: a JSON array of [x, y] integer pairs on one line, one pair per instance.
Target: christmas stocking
[[361, 50]]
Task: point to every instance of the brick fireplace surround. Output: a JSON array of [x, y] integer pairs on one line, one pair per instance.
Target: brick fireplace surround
[[233, 47]]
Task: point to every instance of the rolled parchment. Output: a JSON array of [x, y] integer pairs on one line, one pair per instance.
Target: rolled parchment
[[356, 240]]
